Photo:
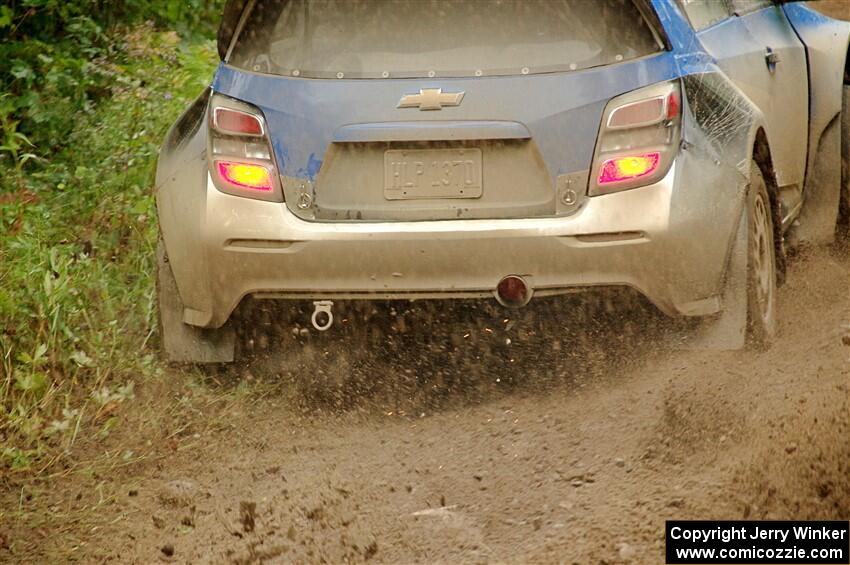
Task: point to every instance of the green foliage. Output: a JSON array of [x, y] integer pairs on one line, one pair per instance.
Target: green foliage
[[57, 60], [14, 142], [78, 232], [49, 18]]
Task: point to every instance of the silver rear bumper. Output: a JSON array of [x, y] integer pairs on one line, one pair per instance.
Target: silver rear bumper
[[662, 240]]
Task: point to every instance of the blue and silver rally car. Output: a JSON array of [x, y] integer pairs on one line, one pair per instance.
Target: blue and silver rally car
[[446, 149]]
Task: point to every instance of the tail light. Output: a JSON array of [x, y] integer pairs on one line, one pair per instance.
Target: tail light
[[631, 167], [234, 122], [241, 158], [638, 139], [246, 175]]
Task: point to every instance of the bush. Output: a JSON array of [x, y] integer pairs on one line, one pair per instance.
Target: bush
[[81, 127], [56, 55]]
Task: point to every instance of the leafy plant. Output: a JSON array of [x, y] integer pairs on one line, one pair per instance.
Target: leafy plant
[[60, 58], [77, 223], [14, 143]]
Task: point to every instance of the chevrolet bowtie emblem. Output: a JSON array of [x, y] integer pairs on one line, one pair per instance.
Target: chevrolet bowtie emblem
[[431, 99]]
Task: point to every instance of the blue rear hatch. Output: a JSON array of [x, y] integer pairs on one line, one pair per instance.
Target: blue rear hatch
[[530, 81]]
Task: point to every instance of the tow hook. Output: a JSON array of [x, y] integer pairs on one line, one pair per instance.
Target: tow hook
[[322, 318]]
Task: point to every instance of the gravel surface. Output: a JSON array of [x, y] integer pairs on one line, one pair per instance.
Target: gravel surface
[[548, 449]]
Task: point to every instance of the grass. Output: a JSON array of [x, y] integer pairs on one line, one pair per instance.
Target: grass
[[77, 238]]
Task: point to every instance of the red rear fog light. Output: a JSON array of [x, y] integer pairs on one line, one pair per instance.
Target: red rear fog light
[[513, 291]]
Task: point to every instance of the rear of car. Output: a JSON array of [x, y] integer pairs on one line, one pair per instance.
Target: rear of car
[[430, 149], [404, 111]]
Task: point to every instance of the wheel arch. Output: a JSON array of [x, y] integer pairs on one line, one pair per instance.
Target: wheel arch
[[762, 156], [843, 223], [180, 189], [847, 63]]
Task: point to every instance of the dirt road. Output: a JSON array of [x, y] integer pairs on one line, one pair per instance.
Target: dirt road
[[553, 448]]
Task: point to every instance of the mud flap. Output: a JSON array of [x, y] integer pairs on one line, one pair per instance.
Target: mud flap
[[727, 331], [823, 191], [182, 343]]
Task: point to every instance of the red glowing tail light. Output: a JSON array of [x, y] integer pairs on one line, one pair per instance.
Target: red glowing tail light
[[639, 138], [630, 167], [242, 161], [248, 176], [234, 122]]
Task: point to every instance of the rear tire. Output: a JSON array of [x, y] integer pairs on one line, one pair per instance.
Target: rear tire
[[842, 229], [761, 263]]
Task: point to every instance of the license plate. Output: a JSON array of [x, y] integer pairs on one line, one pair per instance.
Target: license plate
[[432, 173]]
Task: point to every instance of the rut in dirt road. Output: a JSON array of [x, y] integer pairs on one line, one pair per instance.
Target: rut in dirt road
[[580, 461]]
